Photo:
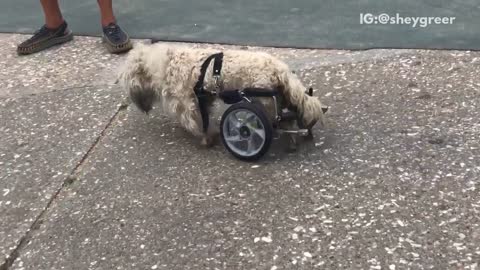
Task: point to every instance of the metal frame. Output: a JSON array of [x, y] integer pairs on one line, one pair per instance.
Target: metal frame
[[278, 117]]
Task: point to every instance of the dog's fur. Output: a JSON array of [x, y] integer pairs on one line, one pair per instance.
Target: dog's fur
[[167, 74]]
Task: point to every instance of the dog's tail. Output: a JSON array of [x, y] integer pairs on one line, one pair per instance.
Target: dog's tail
[[309, 108], [136, 79]]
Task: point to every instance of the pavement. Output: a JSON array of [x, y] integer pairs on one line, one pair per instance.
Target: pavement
[[391, 182]]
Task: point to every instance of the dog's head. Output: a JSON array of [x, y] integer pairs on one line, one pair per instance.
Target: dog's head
[[144, 73], [304, 123]]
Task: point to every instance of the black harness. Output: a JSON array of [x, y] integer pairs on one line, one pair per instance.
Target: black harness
[[204, 96]]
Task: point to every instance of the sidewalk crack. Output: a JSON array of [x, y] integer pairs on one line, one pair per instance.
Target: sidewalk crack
[[24, 240]]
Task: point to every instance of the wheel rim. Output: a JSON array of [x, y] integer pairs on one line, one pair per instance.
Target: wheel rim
[[244, 132]]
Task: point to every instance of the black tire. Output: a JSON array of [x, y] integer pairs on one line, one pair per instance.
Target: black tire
[[260, 113]]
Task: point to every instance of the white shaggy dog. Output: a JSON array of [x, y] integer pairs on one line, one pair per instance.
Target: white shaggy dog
[[167, 74]]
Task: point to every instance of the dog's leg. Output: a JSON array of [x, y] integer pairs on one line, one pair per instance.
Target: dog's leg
[[210, 137], [190, 118], [292, 143], [213, 134], [308, 106]]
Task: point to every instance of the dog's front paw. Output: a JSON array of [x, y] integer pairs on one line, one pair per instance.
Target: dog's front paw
[[207, 141], [309, 136], [292, 144], [211, 138]]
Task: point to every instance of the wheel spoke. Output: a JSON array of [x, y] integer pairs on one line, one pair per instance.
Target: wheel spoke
[[234, 121], [259, 132], [251, 146], [235, 138], [250, 118]]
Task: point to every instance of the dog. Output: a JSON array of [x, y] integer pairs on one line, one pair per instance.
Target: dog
[[167, 74]]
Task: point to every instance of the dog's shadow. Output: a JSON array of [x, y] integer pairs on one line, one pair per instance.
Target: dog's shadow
[[282, 147]]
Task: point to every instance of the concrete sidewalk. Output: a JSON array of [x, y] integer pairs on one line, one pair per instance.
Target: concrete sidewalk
[[391, 183]]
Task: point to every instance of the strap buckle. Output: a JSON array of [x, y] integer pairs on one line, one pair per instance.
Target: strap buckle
[[217, 82]]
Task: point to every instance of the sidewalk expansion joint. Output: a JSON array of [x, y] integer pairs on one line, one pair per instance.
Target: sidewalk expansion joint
[[68, 181]]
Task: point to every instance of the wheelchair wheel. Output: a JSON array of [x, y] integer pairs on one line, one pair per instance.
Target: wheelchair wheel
[[246, 131]]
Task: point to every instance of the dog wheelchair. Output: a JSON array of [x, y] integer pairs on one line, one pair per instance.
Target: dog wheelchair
[[246, 128]]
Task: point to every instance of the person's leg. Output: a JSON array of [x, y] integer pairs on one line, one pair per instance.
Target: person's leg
[[55, 30], [115, 38], [53, 15], [106, 12]]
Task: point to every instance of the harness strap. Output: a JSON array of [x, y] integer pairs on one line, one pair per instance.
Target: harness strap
[[217, 65], [202, 95]]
